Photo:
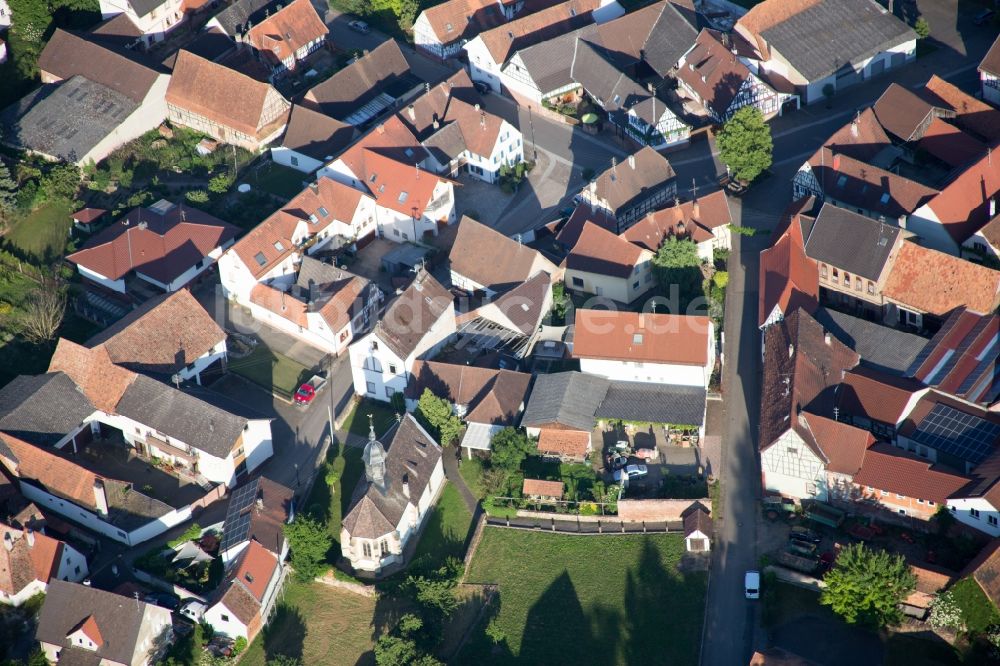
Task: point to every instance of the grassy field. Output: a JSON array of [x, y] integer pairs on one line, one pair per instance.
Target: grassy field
[[277, 179], [357, 421], [44, 232], [319, 624], [447, 529], [271, 370], [977, 609], [472, 470], [329, 504], [588, 600]]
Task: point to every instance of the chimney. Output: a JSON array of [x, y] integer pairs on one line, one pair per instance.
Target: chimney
[[631, 161], [8, 541], [827, 338], [477, 107], [993, 207], [437, 125], [406, 486], [380, 129], [29, 535], [100, 498], [695, 210], [791, 350], [836, 162], [482, 119], [412, 113], [902, 221], [642, 320]]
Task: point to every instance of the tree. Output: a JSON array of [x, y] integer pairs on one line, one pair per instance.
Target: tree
[[8, 190], [510, 447], [395, 651], [435, 413], [437, 596], [37, 658], [495, 633], [61, 182], [310, 542], [677, 264], [43, 314], [220, 184], [868, 585], [922, 28], [745, 144], [559, 303]]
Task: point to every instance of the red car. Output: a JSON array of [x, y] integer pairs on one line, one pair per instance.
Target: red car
[[305, 394]]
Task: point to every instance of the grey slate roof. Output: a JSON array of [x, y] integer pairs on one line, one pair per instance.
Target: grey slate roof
[[41, 409], [143, 7], [882, 348], [182, 416], [568, 398], [550, 62], [656, 403], [822, 38], [119, 618], [237, 17], [411, 453], [65, 120], [670, 37], [447, 144], [602, 80], [412, 314], [852, 242]]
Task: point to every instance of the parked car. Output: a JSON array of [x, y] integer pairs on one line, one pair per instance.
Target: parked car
[[631, 472], [647, 454], [307, 392], [804, 534], [359, 26], [193, 610], [984, 17], [751, 584], [617, 462]]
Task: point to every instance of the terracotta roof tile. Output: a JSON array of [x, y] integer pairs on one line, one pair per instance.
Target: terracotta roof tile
[[88, 215], [537, 487], [488, 395], [412, 314], [493, 260], [385, 69], [573, 443], [583, 214], [162, 246], [289, 29], [789, 279], [316, 135], [256, 568], [963, 205], [553, 21], [862, 138], [164, 335], [904, 113], [950, 144], [24, 563], [695, 219], [970, 113], [404, 188], [103, 382], [647, 337], [224, 95], [389, 138], [870, 394], [986, 568], [713, 72], [991, 65], [932, 282], [600, 251], [888, 468], [623, 183], [843, 444]]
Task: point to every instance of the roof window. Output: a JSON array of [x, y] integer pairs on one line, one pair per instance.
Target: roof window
[[323, 211], [842, 181], [885, 198], [372, 178], [261, 259], [278, 246], [637, 338], [403, 196]]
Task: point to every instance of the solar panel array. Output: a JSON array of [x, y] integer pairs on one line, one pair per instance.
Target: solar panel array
[[957, 433], [236, 529]]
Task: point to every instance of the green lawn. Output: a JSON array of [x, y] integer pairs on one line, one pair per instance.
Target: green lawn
[[903, 650], [588, 599], [472, 470], [318, 624], [279, 180], [271, 370], [977, 609], [446, 532], [327, 504], [357, 421], [44, 232]]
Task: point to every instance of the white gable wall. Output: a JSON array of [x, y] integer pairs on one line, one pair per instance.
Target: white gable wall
[[791, 468], [988, 520]]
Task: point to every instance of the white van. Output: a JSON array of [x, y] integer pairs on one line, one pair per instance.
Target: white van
[[751, 584]]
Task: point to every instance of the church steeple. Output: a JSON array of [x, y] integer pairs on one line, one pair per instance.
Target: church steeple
[[374, 457]]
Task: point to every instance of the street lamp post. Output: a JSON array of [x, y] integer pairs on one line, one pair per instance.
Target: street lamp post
[[534, 146], [297, 483]]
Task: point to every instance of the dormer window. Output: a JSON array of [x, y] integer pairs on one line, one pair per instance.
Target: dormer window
[[847, 280], [248, 576], [885, 198], [857, 284], [372, 178], [822, 271]]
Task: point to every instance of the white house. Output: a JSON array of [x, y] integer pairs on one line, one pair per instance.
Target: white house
[[4, 14], [989, 73], [812, 45], [85, 624], [326, 307], [165, 245], [248, 594], [28, 560], [704, 220], [697, 528], [441, 31], [311, 140], [326, 215], [154, 18], [483, 259], [284, 39], [402, 481], [490, 50], [645, 347], [985, 243], [418, 323], [979, 511]]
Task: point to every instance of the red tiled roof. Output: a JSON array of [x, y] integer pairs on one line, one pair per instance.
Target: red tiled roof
[[862, 138], [454, 20], [985, 568], [768, 14], [843, 444], [962, 206], [163, 246], [279, 302], [932, 282], [713, 72], [287, 30], [256, 569], [221, 94], [648, 337], [583, 214], [903, 112], [572, 443], [965, 337], [870, 394], [88, 215], [537, 487], [789, 279], [404, 188], [102, 381], [888, 468], [970, 113], [694, 219], [391, 138], [23, 563], [56, 474], [340, 201], [91, 631], [600, 251], [950, 144], [526, 31], [489, 396]]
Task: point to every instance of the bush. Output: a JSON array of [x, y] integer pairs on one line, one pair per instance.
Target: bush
[[196, 196], [945, 612], [220, 184], [922, 28]]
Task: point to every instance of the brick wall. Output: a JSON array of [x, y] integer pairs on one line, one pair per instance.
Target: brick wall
[[655, 510]]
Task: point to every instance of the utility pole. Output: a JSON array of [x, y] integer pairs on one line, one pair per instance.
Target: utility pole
[[534, 146]]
